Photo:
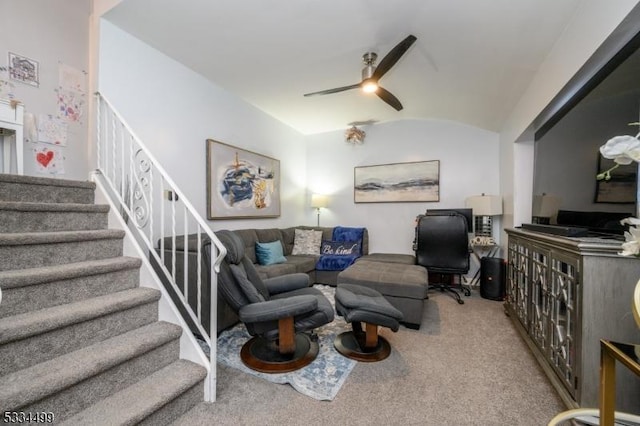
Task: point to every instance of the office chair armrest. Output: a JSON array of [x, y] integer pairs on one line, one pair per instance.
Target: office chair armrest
[[287, 282], [273, 310]]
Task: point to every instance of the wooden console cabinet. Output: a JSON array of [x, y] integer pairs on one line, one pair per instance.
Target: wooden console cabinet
[[564, 295]]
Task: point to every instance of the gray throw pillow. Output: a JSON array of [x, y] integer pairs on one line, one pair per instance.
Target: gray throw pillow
[[307, 241]]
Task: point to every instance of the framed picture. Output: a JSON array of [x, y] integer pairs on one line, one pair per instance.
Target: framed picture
[[621, 188], [241, 184], [24, 70], [396, 183]]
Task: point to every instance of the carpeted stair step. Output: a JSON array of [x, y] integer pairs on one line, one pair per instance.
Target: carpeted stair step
[[25, 290], [37, 249], [72, 382], [47, 217], [45, 190], [34, 337], [169, 393]]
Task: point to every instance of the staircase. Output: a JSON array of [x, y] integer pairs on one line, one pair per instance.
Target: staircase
[[79, 337]]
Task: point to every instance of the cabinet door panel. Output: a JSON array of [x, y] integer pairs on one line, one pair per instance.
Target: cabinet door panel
[[540, 309], [563, 318]]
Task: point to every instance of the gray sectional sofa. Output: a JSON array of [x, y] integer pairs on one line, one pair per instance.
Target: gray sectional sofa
[[295, 263]]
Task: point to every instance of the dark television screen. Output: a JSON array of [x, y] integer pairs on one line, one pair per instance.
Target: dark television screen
[[467, 213]]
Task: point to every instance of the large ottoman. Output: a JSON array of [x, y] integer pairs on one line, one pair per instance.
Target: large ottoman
[[404, 286]]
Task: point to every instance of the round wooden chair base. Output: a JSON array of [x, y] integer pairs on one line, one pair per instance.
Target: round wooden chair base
[[262, 355], [347, 344]]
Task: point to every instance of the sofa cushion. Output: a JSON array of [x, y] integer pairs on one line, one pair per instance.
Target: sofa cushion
[[288, 235], [270, 253], [275, 270], [307, 241], [268, 235], [303, 263], [249, 238]]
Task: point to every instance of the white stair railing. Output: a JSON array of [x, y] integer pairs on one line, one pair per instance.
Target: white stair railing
[[156, 211]]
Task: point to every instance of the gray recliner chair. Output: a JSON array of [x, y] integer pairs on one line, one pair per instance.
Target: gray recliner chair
[[280, 313]]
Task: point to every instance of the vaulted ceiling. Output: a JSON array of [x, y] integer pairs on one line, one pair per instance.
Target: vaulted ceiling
[[471, 63]]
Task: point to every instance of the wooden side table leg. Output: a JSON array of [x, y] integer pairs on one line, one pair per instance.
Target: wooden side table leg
[[607, 386]]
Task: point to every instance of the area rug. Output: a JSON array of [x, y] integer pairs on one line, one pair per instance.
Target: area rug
[[322, 379]]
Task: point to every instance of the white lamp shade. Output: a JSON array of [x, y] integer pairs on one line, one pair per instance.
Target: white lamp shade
[[318, 201], [545, 205], [485, 205]]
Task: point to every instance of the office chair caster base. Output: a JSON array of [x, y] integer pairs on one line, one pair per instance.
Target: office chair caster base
[[348, 345], [262, 355]]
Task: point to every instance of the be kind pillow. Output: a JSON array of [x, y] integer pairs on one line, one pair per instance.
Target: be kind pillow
[[270, 253], [340, 248], [306, 241]]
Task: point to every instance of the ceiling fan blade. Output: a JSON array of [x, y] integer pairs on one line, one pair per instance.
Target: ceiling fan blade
[[392, 57], [386, 96], [336, 90]]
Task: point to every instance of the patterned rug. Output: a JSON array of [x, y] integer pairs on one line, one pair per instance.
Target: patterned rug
[[322, 379]]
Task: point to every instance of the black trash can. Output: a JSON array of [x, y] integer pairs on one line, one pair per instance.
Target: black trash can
[[492, 278]]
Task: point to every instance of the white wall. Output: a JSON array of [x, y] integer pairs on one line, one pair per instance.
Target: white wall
[[174, 110], [590, 26], [48, 32], [468, 166]]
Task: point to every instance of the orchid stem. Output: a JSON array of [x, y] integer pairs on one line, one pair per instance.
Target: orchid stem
[[606, 175]]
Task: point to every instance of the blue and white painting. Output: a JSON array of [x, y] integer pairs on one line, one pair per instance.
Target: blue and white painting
[[241, 183], [399, 182]]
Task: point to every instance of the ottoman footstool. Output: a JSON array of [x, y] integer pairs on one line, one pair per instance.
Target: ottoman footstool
[[357, 304], [405, 286]]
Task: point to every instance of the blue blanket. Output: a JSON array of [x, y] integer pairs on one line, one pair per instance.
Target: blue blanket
[[336, 262], [341, 233]]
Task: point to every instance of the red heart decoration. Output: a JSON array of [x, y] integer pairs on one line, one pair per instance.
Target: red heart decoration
[[44, 159]]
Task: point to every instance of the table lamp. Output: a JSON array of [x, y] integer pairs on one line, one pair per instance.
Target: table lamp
[[544, 208], [484, 207]]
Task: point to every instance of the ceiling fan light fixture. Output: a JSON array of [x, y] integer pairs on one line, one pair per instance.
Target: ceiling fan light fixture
[[369, 86]]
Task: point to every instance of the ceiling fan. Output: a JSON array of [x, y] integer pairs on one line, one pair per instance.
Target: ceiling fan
[[372, 73]]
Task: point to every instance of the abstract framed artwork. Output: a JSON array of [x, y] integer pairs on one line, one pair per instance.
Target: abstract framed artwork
[[241, 184], [398, 182], [621, 188]]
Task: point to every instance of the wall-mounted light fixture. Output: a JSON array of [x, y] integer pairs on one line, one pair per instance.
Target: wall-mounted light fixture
[[318, 202]]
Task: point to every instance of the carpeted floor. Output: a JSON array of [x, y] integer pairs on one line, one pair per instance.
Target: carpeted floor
[[467, 365]]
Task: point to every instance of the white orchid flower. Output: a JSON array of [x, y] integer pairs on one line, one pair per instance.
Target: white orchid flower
[[631, 247], [634, 221], [622, 149]]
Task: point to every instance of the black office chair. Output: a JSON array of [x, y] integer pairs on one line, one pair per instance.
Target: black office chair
[[442, 246], [280, 312]]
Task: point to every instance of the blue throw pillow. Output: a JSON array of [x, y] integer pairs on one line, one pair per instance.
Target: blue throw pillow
[[270, 253], [340, 248]]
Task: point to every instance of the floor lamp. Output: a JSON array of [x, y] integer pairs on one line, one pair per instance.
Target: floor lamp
[[319, 201], [484, 207]]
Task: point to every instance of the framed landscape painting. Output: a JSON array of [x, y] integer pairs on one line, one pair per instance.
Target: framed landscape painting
[[398, 182], [241, 184], [621, 188]]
